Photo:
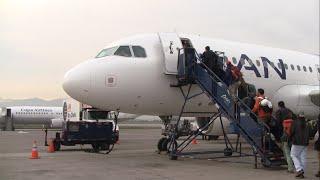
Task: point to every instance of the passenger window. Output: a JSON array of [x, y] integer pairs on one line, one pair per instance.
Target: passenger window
[[305, 69], [298, 67], [106, 52], [251, 89], [258, 63], [310, 69], [234, 60], [286, 66], [292, 67], [318, 70], [123, 51], [139, 51]]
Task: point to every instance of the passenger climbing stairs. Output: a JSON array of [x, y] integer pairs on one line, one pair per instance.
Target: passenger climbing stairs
[[191, 70]]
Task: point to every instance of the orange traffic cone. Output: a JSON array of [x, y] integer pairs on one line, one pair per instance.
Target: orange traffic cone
[[194, 141], [51, 146], [34, 151]]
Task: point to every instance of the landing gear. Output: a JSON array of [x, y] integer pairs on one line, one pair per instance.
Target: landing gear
[[169, 143], [172, 148], [172, 132], [164, 144], [265, 163], [173, 157]]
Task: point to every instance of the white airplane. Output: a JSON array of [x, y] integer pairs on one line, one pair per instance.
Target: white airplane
[[32, 114], [48, 116], [134, 75]]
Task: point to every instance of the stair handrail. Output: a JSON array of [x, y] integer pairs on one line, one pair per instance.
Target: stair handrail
[[198, 60]]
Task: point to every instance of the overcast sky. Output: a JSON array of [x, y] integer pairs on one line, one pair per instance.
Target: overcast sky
[[41, 39]]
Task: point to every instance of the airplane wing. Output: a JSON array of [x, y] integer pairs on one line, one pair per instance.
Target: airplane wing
[[126, 116]]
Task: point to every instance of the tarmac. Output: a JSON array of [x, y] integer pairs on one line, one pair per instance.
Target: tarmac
[[134, 158]]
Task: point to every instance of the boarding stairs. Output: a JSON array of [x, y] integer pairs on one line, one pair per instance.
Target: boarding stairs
[[191, 70]]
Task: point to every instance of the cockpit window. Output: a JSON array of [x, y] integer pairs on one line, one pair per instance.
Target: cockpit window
[[123, 51], [139, 51], [106, 52]]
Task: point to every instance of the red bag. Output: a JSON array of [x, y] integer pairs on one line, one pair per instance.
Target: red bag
[[236, 73], [287, 123]]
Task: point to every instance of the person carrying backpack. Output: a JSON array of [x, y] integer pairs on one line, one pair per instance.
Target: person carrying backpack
[[300, 141], [283, 113], [284, 117], [262, 107], [210, 59]]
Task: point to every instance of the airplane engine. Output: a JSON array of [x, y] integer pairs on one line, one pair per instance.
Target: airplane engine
[[215, 129], [56, 123], [300, 98]]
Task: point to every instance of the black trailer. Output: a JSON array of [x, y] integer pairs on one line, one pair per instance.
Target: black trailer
[[100, 134]]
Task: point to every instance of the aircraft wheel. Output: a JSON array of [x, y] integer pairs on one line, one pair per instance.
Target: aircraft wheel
[[265, 163], [227, 152], [160, 142], [166, 144], [104, 146]]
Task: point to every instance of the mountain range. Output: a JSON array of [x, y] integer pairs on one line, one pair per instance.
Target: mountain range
[[30, 102], [57, 103]]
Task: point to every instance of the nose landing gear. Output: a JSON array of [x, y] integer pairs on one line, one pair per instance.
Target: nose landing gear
[[161, 144]]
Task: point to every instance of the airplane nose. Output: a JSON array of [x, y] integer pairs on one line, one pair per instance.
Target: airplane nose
[[76, 82]]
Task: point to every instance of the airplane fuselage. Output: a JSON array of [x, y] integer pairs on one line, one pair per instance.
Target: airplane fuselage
[[142, 85], [34, 114]]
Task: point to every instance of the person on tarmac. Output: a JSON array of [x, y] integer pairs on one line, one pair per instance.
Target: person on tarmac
[[283, 113], [300, 141], [284, 117]]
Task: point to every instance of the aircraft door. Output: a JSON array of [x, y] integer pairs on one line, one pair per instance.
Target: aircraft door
[[170, 44]]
